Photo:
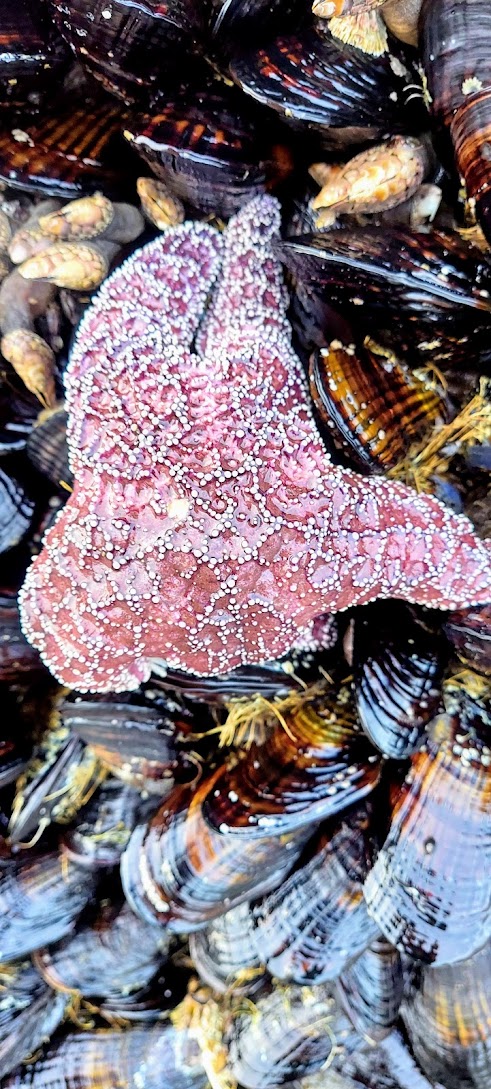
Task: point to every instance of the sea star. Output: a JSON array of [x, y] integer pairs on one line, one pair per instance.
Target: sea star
[[208, 526]]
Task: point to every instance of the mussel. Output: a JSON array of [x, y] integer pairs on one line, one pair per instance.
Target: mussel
[[314, 763], [371, 990], [40, 901], [183, 873], [132, 49], [455, 40], [447, 1015], [422, 889], [308, 929], [313, 81], [29, 1013], [426, 297], [398, 659], [32, 54], [212, 148]]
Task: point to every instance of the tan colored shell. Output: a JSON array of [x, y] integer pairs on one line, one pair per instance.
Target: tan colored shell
[[159, 205], [34, 361], [379, 178], [80, 266], [80, 219], [401, 17], [5, 231], [365, 30]]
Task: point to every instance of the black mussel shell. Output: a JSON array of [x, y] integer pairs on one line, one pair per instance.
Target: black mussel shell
[[232, 21], [212, 148], [16, 511], [32, 54], [398, 661], [74, 148], [18, 659], [313, 80], [47, 448], [132, 48], [469, 631], [427, 297], [105, 825], [29, 1013], [40, 901], [373, 409]]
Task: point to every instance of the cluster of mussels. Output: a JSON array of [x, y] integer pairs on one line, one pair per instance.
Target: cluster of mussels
[[245, 755]]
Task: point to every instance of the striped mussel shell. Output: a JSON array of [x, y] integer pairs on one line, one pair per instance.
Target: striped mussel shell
[[371, 990], [314, 81], [373, 408], [424, 296], [447, 1016], [112, 1058], [398, 662], [422, 890], [47, 447], [133, 50], [455, 46], [41, 898], [180, 871], [137, 744], [212, 147], [29, 1013], [225, 955], [74, 148], [314, 763], [114, 955], [310, 927]]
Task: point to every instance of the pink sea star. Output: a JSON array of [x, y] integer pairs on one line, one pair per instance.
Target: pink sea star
[[208, 525]]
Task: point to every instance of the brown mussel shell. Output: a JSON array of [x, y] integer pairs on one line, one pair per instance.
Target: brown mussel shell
[[422, 890], [212, 148], [47, 448], [115, 955], [132, 49], [426, 297], [29, 1013], [312, 80], [113, 1058], [316, 921], [40, 901], [398, 661], [447, 1015], [73, 149], [371, 990], [454, 40], [183, 873], [32, 54], [315, 767], [373, 409]]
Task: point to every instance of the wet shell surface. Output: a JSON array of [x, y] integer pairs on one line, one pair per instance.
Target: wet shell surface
[[432, 872]]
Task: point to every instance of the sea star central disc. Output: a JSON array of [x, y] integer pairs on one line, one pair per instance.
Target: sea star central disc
[[208, 526]]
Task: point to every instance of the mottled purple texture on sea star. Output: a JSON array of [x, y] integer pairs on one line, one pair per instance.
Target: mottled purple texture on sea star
[[208, 526]]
